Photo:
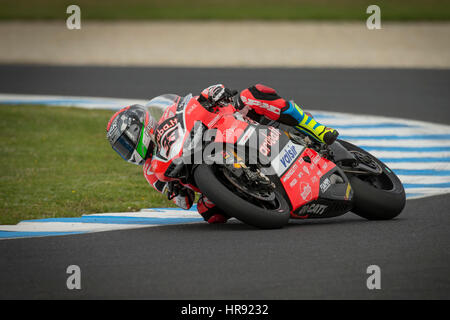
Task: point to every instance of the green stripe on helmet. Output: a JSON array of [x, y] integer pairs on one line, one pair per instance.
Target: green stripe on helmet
[[141, 148]]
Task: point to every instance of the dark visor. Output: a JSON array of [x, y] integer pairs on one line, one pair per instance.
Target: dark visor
[[124, 146]]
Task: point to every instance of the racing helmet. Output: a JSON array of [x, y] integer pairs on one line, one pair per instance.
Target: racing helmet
[[131, 132]]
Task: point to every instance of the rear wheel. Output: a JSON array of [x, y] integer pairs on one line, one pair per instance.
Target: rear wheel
[[376, 197], [261, 210]]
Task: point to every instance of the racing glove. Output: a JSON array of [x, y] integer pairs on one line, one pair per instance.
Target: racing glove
[[218, 95], [181, 196]]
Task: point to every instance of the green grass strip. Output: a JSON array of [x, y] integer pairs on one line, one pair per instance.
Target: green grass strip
[[57, 162], [399, 10]]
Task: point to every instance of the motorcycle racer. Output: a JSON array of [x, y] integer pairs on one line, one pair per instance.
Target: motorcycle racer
[[131, 133]]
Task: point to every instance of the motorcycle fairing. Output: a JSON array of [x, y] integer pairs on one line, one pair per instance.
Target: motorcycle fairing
[[335, 197], [301, 180]]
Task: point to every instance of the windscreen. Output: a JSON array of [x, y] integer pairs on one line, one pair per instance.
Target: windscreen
[[159, 104]]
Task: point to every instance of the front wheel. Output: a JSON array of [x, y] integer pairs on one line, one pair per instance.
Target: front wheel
[[376, 197], [275, 214]]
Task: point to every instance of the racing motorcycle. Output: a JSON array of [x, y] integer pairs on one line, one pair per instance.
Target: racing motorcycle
[[265, 174]]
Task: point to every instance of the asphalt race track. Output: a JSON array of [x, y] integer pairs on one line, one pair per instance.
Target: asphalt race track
[[314, 259], [411, 94]]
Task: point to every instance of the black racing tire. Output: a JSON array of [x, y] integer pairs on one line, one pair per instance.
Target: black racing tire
[[234, 206], [373, 203]]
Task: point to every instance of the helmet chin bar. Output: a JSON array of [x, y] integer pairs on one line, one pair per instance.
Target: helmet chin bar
[[136, 158]]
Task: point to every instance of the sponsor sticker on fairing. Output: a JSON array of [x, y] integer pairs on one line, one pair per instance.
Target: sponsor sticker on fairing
[[271, 138], [325, 185], [316, 159], [291, 172], [305, 168], [293, 183], [286, 157], [306, 191]]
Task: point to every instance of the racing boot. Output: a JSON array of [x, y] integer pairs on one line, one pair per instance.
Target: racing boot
[[305, 123]]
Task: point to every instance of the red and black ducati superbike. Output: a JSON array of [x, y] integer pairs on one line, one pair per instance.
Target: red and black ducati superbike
[[263, 175]]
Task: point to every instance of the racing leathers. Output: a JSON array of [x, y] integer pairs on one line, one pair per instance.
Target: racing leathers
[[261, 100], [260, 103]]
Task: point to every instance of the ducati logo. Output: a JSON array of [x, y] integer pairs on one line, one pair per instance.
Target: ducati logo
[[314, 208]]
